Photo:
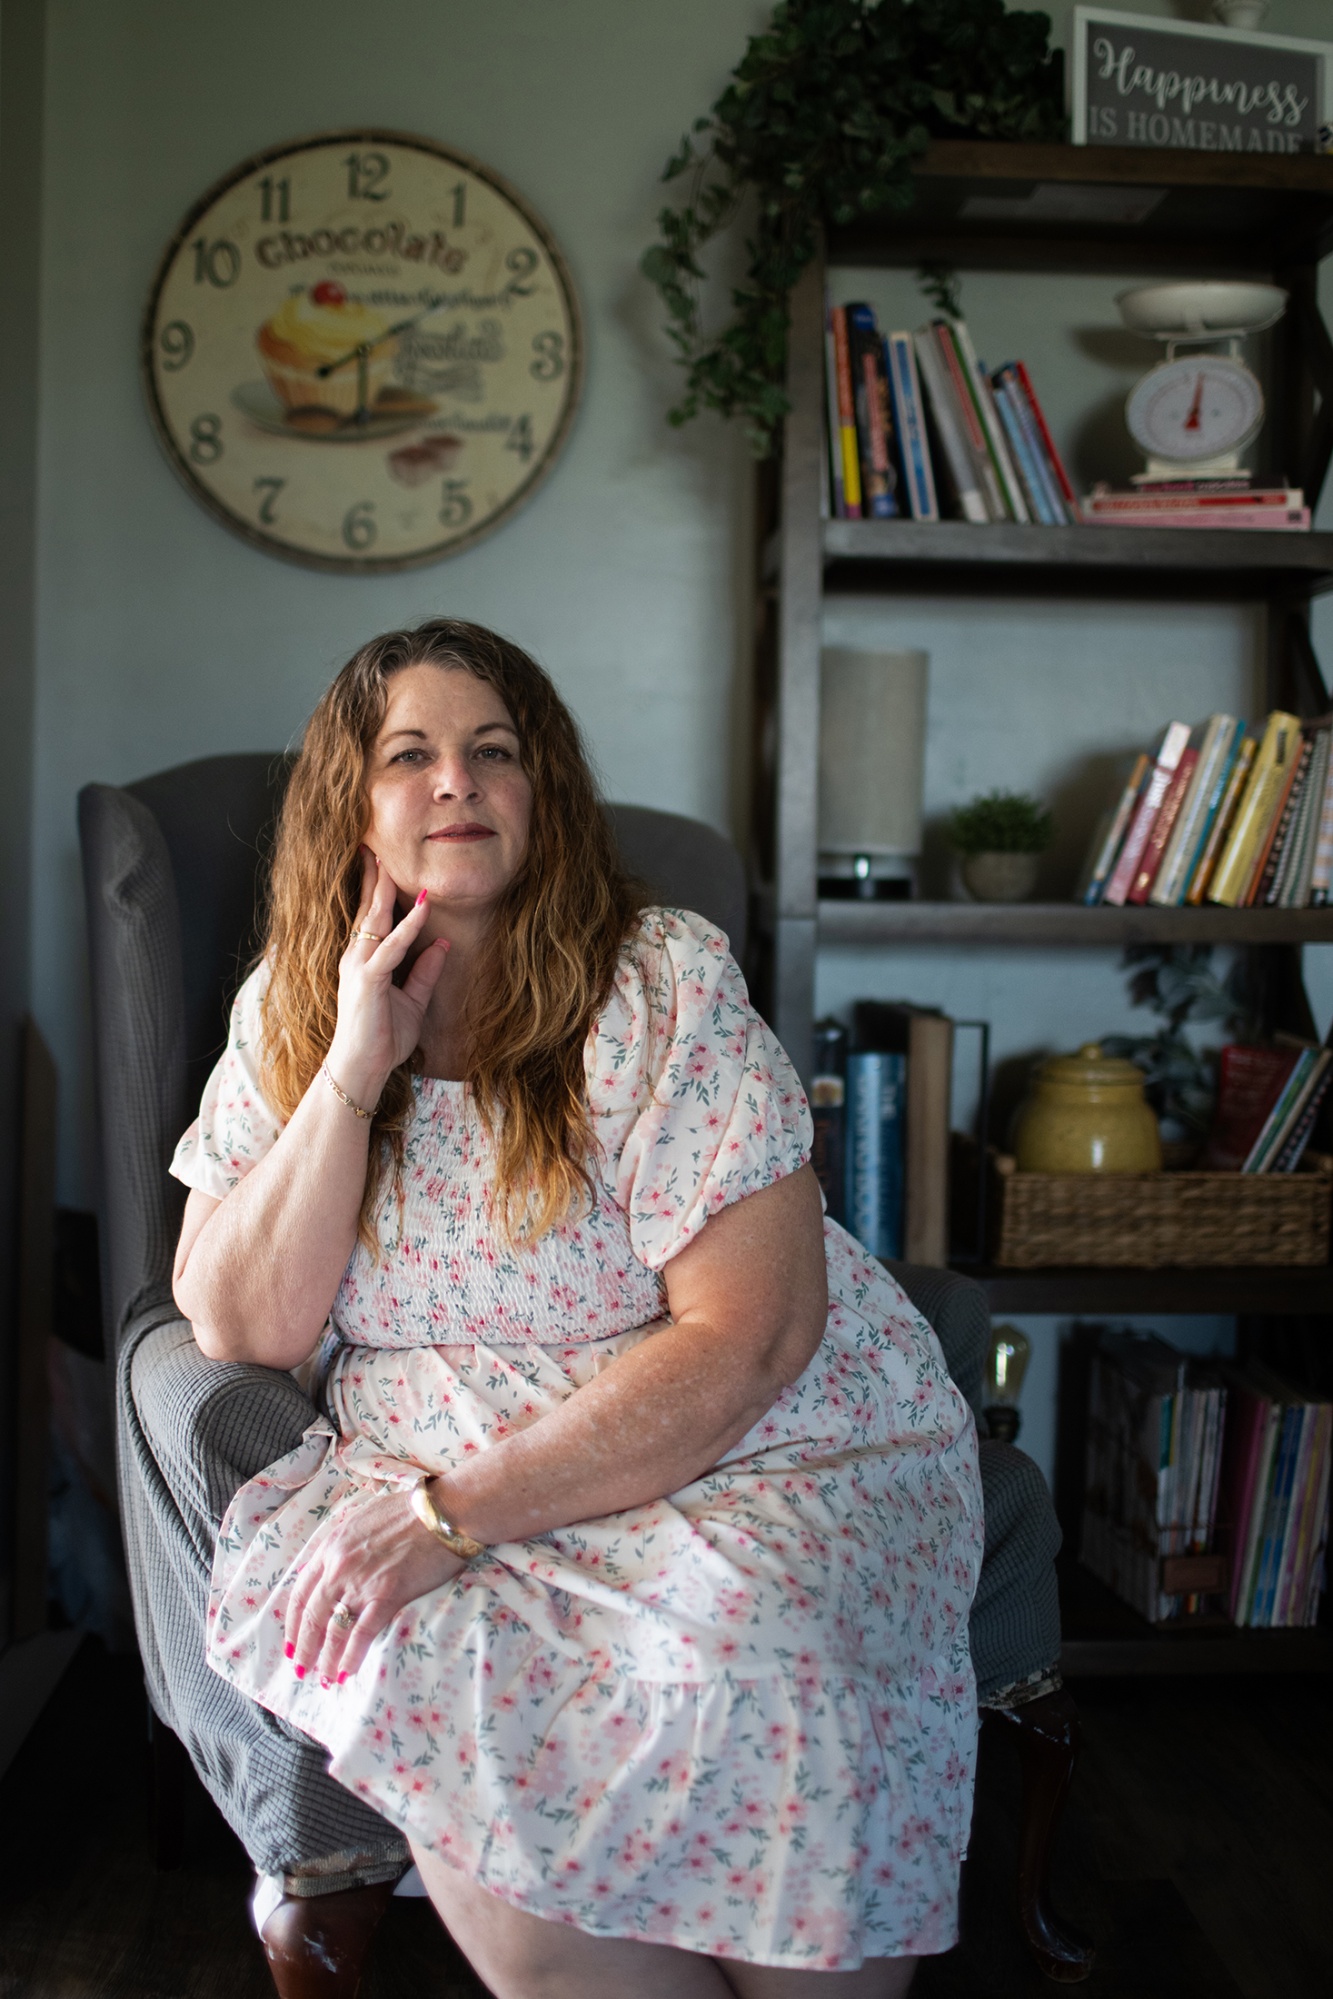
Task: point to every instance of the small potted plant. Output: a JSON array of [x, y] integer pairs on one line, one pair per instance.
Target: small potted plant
[[1000, 837]]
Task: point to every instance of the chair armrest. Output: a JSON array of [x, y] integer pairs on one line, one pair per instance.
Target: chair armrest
[[959, 1312], [210, 1424], [1015, 1626]]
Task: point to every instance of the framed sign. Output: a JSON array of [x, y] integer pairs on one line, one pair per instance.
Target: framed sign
[[1138, 80], [362, 351]]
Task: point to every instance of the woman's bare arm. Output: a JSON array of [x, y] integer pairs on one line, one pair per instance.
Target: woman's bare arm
[[257, 1273], [749, 1303]]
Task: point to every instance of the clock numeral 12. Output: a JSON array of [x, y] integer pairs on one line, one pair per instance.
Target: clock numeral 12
[[359, 529], [270, 488], [219, 263], [268, 189], [365, 171], [459, 194]]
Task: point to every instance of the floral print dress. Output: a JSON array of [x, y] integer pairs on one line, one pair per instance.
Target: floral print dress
[[739, 1719]]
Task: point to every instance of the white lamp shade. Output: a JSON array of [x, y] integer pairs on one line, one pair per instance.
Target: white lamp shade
[[872, 750]]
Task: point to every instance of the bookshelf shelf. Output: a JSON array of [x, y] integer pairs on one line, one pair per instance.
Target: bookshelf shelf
[[992, 206], [1271, 1290], [1217, 562], [1103, 1636], [1024, 924]]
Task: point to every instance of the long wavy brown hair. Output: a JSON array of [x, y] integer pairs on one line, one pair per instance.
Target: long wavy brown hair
[[550, 958]]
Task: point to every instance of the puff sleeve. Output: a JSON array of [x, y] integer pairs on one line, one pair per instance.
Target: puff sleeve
[[694, 1102], [235, 1127]]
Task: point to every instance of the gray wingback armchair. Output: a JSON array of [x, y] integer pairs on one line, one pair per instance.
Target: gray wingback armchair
[[172, 869]]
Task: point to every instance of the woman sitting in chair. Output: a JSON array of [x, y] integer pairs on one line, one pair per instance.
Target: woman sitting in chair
[[630, 1571]]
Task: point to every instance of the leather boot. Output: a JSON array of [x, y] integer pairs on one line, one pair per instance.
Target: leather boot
[[317, 1945]]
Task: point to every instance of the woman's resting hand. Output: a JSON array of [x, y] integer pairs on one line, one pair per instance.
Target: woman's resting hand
[[379, 1024], [375, 1559]]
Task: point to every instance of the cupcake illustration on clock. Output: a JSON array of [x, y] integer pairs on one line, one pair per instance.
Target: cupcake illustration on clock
[[328, 361]]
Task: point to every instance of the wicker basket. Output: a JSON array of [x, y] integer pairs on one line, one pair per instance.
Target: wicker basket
[[1150, 1220]]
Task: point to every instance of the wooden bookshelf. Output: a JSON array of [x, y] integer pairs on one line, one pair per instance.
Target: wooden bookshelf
[[1074, 209]]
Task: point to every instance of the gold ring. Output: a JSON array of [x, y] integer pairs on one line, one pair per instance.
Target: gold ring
[[370, 936], [344, 1615]]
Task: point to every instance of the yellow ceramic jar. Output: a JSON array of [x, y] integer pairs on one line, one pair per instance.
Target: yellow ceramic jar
[[1086, 1113]]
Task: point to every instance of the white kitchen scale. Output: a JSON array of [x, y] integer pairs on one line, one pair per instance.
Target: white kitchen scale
[[1194, 413]]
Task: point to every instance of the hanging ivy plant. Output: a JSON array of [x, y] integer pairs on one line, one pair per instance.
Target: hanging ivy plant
[[821, 121]]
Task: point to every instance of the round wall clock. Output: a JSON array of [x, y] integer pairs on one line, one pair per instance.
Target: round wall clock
[[362, 351]]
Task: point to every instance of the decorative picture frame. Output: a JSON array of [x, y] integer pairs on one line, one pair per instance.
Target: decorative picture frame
[[1140, 80]]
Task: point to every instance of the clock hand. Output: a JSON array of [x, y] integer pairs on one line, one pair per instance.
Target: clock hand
[[1192, 420], [369, 346]]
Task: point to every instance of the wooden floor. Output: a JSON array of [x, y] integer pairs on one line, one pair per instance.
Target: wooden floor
[[1198, 1852]]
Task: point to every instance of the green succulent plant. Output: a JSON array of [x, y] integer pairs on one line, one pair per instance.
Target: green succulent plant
[[1001, 822], [820, 123]]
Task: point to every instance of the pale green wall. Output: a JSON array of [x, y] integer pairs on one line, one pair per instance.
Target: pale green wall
[[162, 636], [20, 234]]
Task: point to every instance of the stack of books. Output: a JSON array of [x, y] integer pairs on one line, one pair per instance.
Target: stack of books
[[1275, 1481], [1221, 814], [1231, 502], [1155, 1426], [1207, 1487], [880, 1104], [1267, 1103], [911, 414]]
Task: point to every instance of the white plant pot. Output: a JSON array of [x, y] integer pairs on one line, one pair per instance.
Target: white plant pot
[[1000, 877], [1240, 13]]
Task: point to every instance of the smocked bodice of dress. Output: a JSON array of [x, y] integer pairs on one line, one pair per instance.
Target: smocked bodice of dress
[[692, 1105], [444, 1275]]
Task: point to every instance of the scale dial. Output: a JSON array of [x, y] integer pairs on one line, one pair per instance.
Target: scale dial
[[1194, 408]]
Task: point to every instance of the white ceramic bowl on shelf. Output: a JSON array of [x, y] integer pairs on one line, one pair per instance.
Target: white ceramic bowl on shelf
[[1208, 308]]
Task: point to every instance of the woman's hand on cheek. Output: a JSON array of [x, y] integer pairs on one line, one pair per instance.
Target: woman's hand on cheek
[[379, 1024], [375, 1558]]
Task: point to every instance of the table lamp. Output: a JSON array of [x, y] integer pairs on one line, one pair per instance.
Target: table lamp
[[1006, 1365], [872, 746]]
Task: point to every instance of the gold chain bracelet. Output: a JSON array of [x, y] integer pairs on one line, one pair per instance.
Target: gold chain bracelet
[[342, 1094]]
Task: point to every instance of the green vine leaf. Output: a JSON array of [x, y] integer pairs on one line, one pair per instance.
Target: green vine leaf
[[820, 122]]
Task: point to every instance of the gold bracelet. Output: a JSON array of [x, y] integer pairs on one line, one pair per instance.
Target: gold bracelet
[[342, 1094], [431, 1518]]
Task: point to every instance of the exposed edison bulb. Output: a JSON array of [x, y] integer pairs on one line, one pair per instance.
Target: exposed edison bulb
[[1006, 1366]]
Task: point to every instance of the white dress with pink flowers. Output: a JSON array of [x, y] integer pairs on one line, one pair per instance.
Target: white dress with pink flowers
[[738, 1719]]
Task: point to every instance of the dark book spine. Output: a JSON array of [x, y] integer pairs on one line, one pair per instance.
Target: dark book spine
[[876, 1103], [874, 420], [828, 1114], [1299, 1137], [1286, 826]]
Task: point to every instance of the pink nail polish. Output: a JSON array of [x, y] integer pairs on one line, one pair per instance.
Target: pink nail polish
[[341, 1678], [421, 898], [324, 1680], [300, 1672], [290, 1650]]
